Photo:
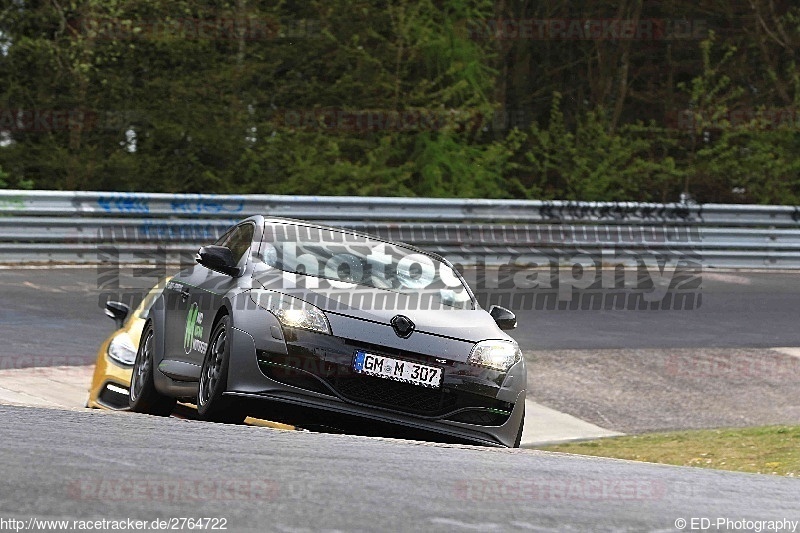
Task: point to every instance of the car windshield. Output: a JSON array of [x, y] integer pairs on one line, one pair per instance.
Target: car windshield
[[349, 261]]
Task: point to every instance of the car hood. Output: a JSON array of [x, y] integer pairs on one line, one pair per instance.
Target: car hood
[[368, 305]]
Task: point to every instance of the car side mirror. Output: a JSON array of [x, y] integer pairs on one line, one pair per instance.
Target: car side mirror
[[118, 311], [217, 258], [504, 318]]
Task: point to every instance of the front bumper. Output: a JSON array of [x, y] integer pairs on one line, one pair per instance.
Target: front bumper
[[473, 403], [110, 383]]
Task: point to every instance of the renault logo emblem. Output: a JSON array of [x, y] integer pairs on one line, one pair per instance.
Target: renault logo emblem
[[403, 326]]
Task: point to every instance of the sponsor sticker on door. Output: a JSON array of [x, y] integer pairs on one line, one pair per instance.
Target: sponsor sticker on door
[[193, 336]]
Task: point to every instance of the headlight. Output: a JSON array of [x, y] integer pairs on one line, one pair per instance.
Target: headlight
[[295, 313], [122, 350], [498, 355]]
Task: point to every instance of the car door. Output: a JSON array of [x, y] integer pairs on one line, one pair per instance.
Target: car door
[[196, 294]]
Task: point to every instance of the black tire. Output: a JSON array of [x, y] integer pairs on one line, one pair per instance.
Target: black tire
[[518, 440], [144, 398], [212, 405]]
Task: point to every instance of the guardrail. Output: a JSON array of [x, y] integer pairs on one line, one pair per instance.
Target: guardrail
[[53, 226], [356, 208]]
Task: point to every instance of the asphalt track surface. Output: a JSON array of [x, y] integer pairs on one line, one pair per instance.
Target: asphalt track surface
[[96, 465], [93, 465]]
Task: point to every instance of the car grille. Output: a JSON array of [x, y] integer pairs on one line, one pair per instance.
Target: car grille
[[293, 377], [394, 395], [480, 417], [112, 399]]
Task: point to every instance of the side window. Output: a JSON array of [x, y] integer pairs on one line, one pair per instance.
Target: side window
[[239, 241], [225, 237]]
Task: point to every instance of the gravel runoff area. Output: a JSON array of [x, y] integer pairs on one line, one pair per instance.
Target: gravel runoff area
[[644, 390]]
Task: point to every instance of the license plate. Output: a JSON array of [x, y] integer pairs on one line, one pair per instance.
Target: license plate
[[397, 370]]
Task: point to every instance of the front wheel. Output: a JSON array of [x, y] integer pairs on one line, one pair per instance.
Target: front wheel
[[144, 398], [212, 405]]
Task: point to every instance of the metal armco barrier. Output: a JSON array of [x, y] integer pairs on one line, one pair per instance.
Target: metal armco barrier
[[95, 227]]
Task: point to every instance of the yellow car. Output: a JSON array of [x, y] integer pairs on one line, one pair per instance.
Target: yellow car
[[112, 371], [114, 366]]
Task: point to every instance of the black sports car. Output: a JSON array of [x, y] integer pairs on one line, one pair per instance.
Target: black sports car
[[311, 317]]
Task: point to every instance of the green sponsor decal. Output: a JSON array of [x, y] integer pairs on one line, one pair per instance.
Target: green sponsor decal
[[193, 335]]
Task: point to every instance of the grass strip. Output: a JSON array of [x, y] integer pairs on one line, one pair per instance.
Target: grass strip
[[762, 450]]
